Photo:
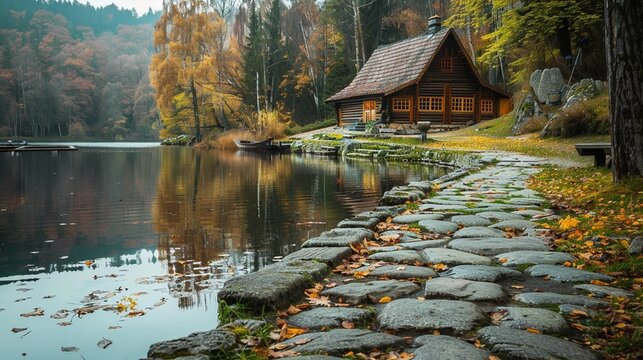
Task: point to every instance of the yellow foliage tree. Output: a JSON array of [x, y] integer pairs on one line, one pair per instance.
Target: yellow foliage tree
[[189, 38]]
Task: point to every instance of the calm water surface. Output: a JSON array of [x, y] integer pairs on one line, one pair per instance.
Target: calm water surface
[[132, 243]]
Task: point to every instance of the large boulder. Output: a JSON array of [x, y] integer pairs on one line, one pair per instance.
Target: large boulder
[[527, 109], [550, 86], [581, 91]]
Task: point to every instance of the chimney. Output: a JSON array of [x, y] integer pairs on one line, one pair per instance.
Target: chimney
[[435, 24]]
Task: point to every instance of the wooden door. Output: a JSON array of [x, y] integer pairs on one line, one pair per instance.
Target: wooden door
[[369, 109]]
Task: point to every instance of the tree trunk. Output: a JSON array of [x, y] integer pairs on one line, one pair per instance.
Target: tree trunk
[[195, 110], [624, 31], [355, 6]]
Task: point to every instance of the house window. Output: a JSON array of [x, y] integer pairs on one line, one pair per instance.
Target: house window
[[462, 104], [369, 110], [402, 104], [446, 64], [486, 106], [431, 103]]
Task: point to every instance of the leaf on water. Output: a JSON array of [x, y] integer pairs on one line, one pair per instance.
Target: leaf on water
[[35, 312], [49, 297], [348, 324], [17, 330], [69, 349], [60, 314], [136, 313], [23, 289], [385, 299], [89, 262], [104, 343], [161, 302], [140, 293], [114, 327], [64, 323], [23, 299]]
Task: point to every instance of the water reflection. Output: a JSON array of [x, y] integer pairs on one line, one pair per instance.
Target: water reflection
[[169, 223]]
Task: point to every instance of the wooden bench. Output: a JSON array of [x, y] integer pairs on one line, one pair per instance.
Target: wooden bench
[[600, 151]]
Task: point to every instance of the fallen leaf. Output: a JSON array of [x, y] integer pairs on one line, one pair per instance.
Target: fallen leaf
[[493, 357], [517, 286], [104, 343], [293, 310], [598, 282], [282, 354], [17, 330], [64, 323], [160, 303], [503, 260], [292, 332], [385, 299], [576, 313], [113, 327], [35, 312], [69, 349], [302, 341], [533, 331], [322, 301], [89, 262], [60, 314], [348, 324], [568, 223], [331, 285], [440, 267]]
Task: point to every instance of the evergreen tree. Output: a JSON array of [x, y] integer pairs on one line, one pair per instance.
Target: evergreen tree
[[252, 60], [274, 53]]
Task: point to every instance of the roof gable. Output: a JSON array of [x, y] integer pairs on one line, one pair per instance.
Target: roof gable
[[397, 65]]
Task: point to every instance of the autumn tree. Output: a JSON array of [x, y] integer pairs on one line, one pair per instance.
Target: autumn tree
[[624, 32], [185, 37]]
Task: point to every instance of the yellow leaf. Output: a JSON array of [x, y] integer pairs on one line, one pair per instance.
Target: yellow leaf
[[440, 267], [533, 331], [598, 282], [385, 300], [503, 260], [568, 223], [293, 331], [589, 243], [361, 274]]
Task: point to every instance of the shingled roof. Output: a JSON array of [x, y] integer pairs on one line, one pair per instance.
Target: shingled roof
[[395, 66]]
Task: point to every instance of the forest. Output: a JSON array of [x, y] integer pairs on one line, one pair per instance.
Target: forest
[[211, 65]]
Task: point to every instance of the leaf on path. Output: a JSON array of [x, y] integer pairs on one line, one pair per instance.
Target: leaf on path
[[17, 330], [498, 316], [290, 332], [69, 349], [503, 260], [348, 324], [331, 285], [533, 331], [302, 341], [385, 299], [321, 301], [89, 262], [568, 223], [281, 354], [361, 274], [599, 283], [577, 313], [517, 286], [35, 312], [440, 267], [104, 343], [293, 310]]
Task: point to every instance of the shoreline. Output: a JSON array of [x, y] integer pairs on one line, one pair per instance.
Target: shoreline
[[249, 307]]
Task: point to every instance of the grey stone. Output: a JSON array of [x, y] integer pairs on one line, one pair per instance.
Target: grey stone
[[548, 298], [359, 222], [551, 83], [438, 207], [478, 232], [314, 269], [566, 274], [518, 344], [460, 289], [581, 91], [534, 79], [400, 195], [453, 257], [636, 247], [603, 291], [404, 235], [470, 220], [251, 290], [514, 224], [399, 256], [499, 215], [480, 273], [413, 218], [438, 226], [494, 246], [329, 317], [568, 309], [329, 255], [525, 201], [421, 245], [209, 343], [522, 318], [403, 272], [372, 291], [531, 212], [359, 232], [450, 316], [378, 214], [446, 348], [436, 201], [515, 258], [340, 341]]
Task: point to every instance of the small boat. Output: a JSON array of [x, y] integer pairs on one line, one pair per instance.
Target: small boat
[[12, 144], [261, 145]]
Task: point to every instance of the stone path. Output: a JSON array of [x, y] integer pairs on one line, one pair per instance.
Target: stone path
[[467, 275]]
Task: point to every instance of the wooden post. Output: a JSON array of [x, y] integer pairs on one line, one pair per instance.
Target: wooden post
[[417, 103]]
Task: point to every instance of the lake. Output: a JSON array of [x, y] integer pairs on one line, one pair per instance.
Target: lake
[[131, 242]]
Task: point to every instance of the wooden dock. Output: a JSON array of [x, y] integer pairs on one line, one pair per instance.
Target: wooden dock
[[21, 148]]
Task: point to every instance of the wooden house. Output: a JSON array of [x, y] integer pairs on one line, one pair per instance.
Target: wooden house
[[427, 78]]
